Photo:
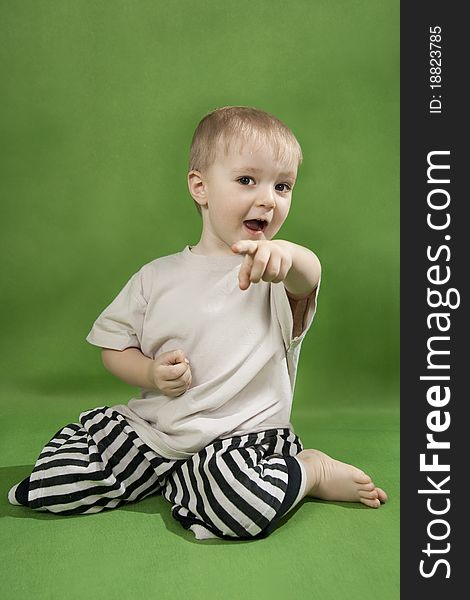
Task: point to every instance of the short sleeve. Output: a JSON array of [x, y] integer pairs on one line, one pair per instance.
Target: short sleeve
[[120, 325], [295, 316]]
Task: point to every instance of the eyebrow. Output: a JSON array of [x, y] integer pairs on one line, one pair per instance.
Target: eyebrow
[[254, 170]]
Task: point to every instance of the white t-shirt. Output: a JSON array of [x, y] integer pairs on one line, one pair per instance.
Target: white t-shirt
[[240, 344]]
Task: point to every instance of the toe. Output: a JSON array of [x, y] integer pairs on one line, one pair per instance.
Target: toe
[[373, 502], [372, 495], [381, 495]]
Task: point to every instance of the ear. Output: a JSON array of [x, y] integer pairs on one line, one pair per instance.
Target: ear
[[197, 187]]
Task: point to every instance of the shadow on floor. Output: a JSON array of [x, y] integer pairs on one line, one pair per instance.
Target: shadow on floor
[[153, 505]]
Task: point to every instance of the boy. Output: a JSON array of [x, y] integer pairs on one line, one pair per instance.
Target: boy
[[212, 337]]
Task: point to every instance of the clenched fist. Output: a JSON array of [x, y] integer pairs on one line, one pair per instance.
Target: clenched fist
[[171, 373]]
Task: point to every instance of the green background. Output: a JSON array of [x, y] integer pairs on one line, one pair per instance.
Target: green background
[[99, 102]]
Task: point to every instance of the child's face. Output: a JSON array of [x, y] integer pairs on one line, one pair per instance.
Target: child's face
[[246, 184]]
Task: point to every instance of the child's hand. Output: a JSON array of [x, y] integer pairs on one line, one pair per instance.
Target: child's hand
[[171, 373], [269, 260]]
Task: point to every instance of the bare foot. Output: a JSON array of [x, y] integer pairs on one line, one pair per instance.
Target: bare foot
[[330, 479]]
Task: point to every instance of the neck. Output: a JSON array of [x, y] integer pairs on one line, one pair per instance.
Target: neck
[[211, 247]]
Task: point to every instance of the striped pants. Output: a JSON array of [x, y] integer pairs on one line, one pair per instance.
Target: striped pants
[[237, 487]]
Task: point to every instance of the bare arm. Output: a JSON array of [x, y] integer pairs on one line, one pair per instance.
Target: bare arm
[[169, 373], [301, 280], [304, 275], [129, 365]]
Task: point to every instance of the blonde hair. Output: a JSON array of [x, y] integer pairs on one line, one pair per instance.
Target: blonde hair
[[243, 124]]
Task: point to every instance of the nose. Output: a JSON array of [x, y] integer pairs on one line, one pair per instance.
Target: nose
[[266, 198]]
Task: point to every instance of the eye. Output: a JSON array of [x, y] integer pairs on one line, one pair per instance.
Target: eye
[[245, 180], [285, 187]]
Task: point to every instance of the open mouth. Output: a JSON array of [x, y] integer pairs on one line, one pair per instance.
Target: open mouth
[[256, 225]]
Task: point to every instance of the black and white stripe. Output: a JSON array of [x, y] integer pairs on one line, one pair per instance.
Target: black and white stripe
[[93, 465], [237, 487]]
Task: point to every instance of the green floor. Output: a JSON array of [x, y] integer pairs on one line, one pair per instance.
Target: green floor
[[321, 550], [99, 103]]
